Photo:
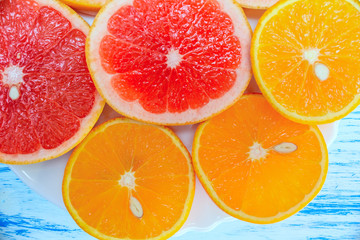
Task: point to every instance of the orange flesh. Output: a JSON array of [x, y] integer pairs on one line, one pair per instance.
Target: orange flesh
[[266, 187], [163, 173], [289, 78]]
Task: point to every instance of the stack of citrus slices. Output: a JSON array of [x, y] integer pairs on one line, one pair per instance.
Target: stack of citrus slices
[[175, 62]]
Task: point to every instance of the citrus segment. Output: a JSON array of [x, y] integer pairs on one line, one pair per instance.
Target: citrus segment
[[48, 101], [129, 180], [257, 165], [305, 63], [169, 61]]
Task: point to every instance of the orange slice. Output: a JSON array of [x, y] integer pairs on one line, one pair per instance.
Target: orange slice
[[257, 4], [257, 165], [87, 5], [129, 180], [48, 101], [170, 62], [305, 62]]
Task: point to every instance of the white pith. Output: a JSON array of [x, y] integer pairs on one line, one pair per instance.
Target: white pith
[[128, 180], [311, 55], [321, 70], [133, 109], [13, 75], [173, 58], [257, 152], [86, 123]]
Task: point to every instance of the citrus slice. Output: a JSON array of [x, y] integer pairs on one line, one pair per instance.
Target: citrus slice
[[257, 4], [305, 62], [170, 62], [48, 102], [257, 165], [87, 5], [129, 180]]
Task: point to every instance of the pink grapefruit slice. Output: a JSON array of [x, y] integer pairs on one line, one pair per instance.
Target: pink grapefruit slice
[[170, 62], [257, 4], [48, 101]]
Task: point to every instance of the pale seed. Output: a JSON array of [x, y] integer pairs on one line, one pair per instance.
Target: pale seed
[[285, 147], [136, 208]]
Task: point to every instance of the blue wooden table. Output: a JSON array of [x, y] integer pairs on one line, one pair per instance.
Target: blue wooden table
[[333, 214]]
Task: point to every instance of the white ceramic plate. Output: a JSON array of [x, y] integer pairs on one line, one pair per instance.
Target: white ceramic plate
[[46, 177]]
